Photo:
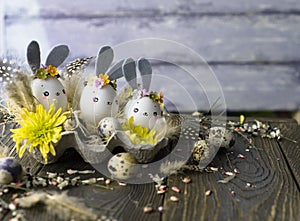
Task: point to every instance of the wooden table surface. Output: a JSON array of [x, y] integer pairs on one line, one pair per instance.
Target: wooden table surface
[[266, 186]]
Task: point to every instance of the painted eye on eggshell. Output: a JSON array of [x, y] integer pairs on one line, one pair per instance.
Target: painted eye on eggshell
[[135, 110], [95, 99], [109, 103], [63, 90], [154, 114], [46, 93], [57, 94], [145, 114]]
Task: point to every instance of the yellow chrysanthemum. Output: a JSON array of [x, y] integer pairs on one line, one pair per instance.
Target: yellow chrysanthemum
[[52, 70], [39, 129], [105, 79], [138, 134]]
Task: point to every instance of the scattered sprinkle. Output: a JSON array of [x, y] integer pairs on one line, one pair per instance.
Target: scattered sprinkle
[[236, 171], [208, 192], [63, 184], [122, 184], [186, 180], [227, 179], [70, 171], [107, 182], [89, 181], [148, 209], [160, 209], [241, 156], [51, 175], [174, 198], [162, 187], [229, 173], [161, 191], [175, 189], [249, 184], [215, 169], [12, 207]]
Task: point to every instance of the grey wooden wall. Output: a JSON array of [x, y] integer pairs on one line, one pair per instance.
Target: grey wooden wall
[[252, 46]]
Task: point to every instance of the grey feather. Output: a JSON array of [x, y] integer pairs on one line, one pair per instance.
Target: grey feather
[[129, 71], [145, 69], [57, 55], [34, 56], [104, 60]]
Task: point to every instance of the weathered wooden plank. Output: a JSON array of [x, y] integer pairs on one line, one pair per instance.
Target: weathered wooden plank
[[122, 203], [262, 190], [260, 38], [291, 149], [146, 8]]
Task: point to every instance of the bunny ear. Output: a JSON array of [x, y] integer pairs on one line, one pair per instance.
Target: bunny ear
[[146, 72], [57, 55], [104, 59], [129, 71], [34, 56], [116, 71]]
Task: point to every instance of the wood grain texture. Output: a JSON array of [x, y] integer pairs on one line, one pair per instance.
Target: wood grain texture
[[272, 194], [290, 149], [122, 202]]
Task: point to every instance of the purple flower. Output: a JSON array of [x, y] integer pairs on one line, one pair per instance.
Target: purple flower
[[98, 83], [145, 93]]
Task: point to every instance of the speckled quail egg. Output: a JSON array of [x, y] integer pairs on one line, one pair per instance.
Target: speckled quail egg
[[203, 153], [220, 136], [108, 126], [145, 112], [10, 170], [122, 166]]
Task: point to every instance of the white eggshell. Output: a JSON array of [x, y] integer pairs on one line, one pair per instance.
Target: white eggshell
[[122, 166], [144, 111], [97, 103], [50, 91], [107, 126]]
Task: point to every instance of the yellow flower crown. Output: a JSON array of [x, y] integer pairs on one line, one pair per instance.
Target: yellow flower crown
[[45, 71]]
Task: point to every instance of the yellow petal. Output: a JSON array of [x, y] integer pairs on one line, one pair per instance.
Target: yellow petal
[[52, 149]]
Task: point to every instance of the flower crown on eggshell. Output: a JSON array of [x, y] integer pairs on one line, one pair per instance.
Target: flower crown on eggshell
[[153, 95], [46, 71], [101, 81]]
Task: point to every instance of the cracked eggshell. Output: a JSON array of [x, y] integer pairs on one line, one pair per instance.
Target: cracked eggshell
[[10, 170], [108, 126], [144, 111], [122, 166], [50, 91], [220, 136], [97, 103]]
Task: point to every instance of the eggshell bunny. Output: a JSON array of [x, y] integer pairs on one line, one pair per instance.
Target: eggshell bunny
[[145, 106], [98, 98], [46, 87]]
